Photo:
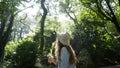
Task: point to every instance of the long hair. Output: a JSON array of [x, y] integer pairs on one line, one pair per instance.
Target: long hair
[[58, 48]]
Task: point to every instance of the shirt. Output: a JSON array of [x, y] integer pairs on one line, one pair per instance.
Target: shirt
[[64, 62]]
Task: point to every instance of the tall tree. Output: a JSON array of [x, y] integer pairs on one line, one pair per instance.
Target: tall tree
[[7, 19], [42, 22], [72, 9], [108, 10], [8, 11]]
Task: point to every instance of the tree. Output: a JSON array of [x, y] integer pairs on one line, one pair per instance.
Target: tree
[[107, 10], [42, 21], [72, 9], [6, 14], [8, 11], [92, 30], [91, 34]]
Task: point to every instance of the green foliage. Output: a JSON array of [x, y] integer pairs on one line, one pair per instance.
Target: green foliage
[[107, 10], [92, 35], [118, 13], [7, 15], [52, 24], [26, 54], [49, 37], [88, 3], [10, 50], [9, 53], [84, 59]]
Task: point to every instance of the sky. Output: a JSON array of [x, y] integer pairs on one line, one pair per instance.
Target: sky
[[32, 12]]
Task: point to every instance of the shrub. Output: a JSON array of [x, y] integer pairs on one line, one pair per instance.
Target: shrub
[[84, 59], [10, 50], [26, 54]]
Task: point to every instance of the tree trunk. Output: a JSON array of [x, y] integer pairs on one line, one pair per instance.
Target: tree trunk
[[5, 37], [1, 52], [2, 27], [42, 24]]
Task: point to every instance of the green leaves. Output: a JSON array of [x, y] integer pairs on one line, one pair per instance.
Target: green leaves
[[88, 3], [26, 54]]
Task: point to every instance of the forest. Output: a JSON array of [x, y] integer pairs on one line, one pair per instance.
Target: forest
[[28, 30]]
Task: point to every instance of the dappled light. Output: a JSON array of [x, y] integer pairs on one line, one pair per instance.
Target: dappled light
[[38, 33]]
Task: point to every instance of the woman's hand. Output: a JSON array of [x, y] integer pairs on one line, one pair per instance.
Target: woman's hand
[[51, 60]]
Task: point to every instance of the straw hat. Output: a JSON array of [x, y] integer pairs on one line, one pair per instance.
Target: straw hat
[[64, 38]]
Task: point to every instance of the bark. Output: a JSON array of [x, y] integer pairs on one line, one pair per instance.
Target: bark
[[42, 21], [1, 52], [5, 37], [2, 27], [9, 29]]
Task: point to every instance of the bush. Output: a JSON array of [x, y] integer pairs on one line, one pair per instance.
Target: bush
[[84, 59], [26, 54], [10, 50], [9, 53]]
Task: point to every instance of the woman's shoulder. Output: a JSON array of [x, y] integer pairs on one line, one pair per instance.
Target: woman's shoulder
[[64, 50]]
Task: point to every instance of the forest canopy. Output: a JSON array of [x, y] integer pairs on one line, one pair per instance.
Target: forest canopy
[[28, 30]]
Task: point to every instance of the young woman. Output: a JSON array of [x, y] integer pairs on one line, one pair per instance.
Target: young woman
[[64, 53]]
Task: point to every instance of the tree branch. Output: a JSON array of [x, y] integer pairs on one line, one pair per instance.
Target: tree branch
[[101, 12], [24, 23], [22, 10], [114, 19], [74, 19]]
